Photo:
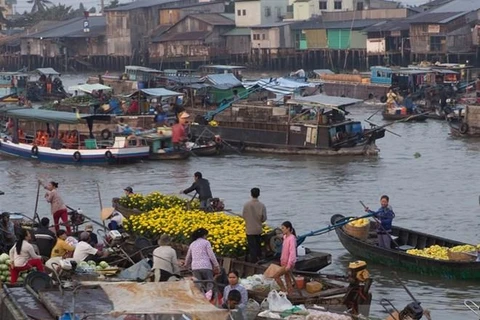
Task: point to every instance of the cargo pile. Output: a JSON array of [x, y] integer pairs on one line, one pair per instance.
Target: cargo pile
[[359, 222], [168, 215], [441, 253]]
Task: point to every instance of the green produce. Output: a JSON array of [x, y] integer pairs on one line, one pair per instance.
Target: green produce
[[103, 264]]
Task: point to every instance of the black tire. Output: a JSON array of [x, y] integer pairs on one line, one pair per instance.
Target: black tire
[[77, 156], [34, 150], [464, 128], [106, 134], [383, 99], [108, 155]]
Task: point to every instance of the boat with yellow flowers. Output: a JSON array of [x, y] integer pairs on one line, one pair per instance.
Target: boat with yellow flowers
[[411, 250]]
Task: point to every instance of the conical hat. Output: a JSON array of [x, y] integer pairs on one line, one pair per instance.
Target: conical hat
[[106, 213]]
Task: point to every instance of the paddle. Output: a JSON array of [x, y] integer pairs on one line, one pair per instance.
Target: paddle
[[35, 214], [189, 203], [301, 238], [380, 224]]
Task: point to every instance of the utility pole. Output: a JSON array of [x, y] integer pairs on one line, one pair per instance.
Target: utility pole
[[102, 6]]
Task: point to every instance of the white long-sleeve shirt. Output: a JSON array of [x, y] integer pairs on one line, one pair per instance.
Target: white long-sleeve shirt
[[26, 253], [165, 258]]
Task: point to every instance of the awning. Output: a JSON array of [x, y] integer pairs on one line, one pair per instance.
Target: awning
[[279, 85], [104, 300], [324, 101], [47, 71], [157, 92], [50, 116], [89, 88]]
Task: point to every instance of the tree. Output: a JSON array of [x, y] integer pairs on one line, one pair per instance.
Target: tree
[[81, 7], [113, 4], [92, 10], [39, 5]]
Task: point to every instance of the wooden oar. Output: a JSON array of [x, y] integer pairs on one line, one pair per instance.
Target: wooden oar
[[374, 114], [35, 214], [101, 206], [383, 127]]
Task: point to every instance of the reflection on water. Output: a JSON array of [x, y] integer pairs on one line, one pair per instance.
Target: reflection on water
[[436, 193]]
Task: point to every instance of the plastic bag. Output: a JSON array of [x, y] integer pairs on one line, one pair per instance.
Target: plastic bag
[[277, 301], [138, 272], [252, 309]]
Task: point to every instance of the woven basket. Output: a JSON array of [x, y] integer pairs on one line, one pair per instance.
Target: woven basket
[[462, 256], [357, 232]]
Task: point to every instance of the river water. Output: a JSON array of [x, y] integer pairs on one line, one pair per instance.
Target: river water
[[437, 193]]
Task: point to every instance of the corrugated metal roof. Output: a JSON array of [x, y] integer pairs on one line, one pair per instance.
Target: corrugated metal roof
[[392, 25], [226, 80], [184, 36], [47, 71], [161, 92], [73, 28], [319, 24], [158, 32], [143, 4], [459, 6], [238, 32], [214, 19], [436, 17], [271, 25]]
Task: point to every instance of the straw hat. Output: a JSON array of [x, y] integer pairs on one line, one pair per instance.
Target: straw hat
[[106, 213]]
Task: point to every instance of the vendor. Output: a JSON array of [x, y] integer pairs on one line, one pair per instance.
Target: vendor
[[165, 263], [385, 216], [179, 136], [233, 284], [391, 99], [115, 217], [202, 187], [85, 252], [128, 191], [7, 229]]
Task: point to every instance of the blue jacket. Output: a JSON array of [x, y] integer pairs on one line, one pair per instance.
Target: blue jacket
[[385, 215]]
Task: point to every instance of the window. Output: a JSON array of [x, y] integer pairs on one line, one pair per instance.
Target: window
[[359, 6], [239, 12], [256, 36], [322, 5], [244, 12], [436, 43], [268, 12], [279, 11], [264, 36], [337, 5]]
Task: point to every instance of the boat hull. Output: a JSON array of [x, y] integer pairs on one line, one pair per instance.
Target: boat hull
[[206, 151], [369, 251], [70, 156], [256, 140], [404, 117], [355, 90], [175, 155]]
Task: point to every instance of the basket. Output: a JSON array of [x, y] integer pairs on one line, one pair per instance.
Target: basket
[[357, 232], [462, 256]]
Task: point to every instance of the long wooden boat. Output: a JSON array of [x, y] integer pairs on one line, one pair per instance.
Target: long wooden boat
[[336, 294], [397, 257], [206, 150], [49, 144], [170, 155], [404, 117]]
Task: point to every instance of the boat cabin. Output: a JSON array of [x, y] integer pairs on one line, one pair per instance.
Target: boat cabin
[[12, 83], [220, 69], [403, 78], [140, 74]]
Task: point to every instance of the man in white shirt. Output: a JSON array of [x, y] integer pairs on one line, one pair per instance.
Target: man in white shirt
[[84, 251]]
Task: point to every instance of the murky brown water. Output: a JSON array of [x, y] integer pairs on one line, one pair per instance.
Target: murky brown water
[[436, 193]]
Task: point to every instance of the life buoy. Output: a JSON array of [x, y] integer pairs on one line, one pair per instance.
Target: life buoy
[[383, 99], [108, 155], [34, 150], [77, 156], [106, 134], [464, 128]]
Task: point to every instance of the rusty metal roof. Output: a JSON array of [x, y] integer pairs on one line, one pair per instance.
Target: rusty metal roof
[[143, 4], [215, 19], [459, 6], [435, 17]]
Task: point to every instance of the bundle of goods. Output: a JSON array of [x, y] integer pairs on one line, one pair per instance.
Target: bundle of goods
[[458, 253], [358, 228]]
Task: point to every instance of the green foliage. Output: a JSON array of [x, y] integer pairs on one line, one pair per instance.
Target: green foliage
[[58, 12]]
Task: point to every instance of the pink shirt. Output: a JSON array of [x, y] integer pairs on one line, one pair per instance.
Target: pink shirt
[[289, 251], [200, 255], [55, 200]]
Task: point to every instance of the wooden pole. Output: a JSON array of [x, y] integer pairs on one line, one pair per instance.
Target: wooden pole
[[101, 206], [35, 214]]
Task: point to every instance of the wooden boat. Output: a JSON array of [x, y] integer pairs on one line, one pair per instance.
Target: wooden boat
[[465, 123], [404, 117], [169, 155], [206, 150], [337, 293], [398, 257], [48, 142]]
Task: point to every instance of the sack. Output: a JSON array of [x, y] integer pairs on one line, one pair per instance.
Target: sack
[[272, 270], [278, 302]]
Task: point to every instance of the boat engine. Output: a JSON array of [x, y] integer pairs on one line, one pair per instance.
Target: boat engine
[[358, 291], [413, 310]]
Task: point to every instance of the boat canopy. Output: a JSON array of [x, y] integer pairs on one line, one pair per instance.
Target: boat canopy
[[47, 71], [89, 88], [50, 116], [279, 85], [324, 101], [141, 69], [132, 298], [157, 92]]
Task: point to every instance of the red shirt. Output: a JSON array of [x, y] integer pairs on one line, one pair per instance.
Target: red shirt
[[178, 133], [134, 108]]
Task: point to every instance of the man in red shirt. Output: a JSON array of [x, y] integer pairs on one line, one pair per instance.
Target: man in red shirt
[[134, 107], [179, 135]]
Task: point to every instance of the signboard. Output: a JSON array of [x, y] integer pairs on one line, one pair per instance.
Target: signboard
[[86, 26], [433, 28]]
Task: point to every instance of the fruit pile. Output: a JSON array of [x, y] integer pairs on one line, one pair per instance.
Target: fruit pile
[[359, 222], [441, 253], [92, 266], [5, 270]]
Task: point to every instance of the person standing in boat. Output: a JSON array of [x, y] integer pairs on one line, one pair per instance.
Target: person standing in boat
[[287, 258], [179, 136], [59, 209], [202, 187], [255, 214], [165, 263], [385, 216]]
